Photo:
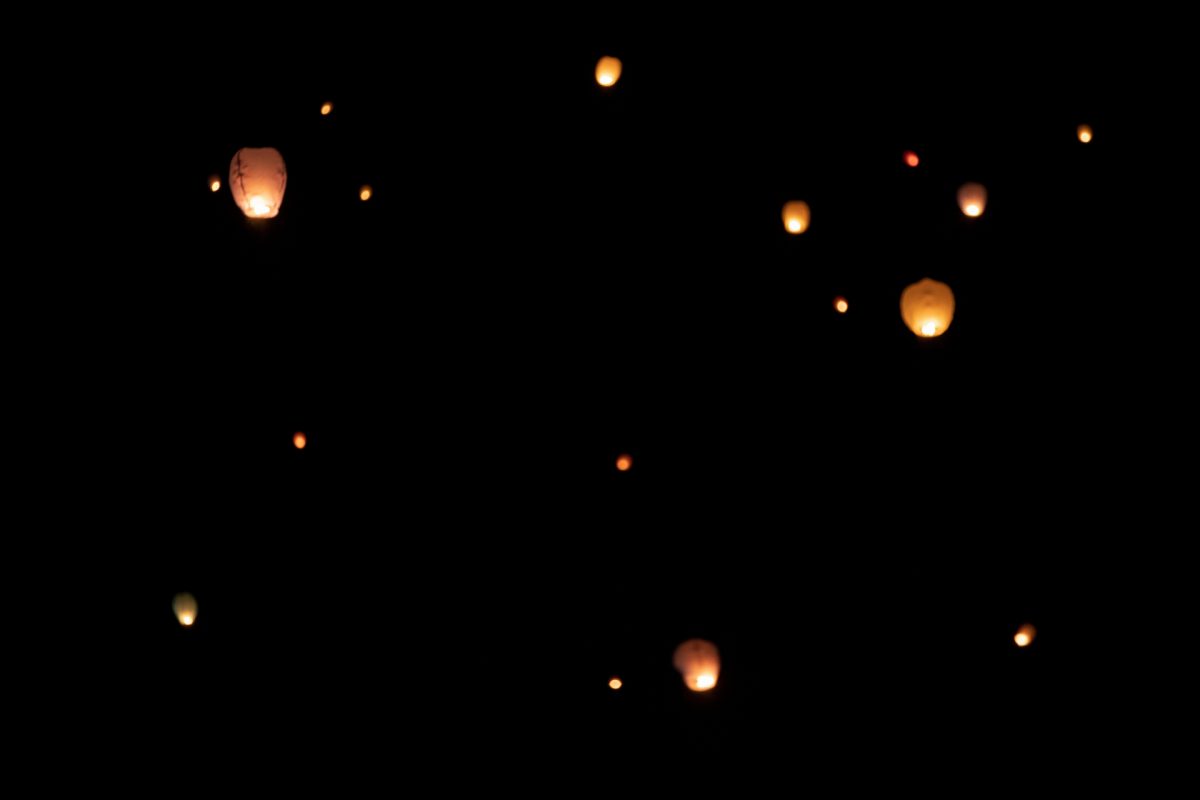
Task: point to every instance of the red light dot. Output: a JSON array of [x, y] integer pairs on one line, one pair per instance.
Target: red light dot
[[911, 158]]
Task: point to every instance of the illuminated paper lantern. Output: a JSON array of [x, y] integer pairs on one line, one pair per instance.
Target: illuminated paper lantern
[[185, 609], [1025, 635], [927, 307], [796, 216], [624, 462], [840, 305], [365, 193], [326, 108], [699, 663], [1084, 132], [214, 183], [257, 178], [615, 683], [608, 71], [911, 158], [972, 199], [300, 440]]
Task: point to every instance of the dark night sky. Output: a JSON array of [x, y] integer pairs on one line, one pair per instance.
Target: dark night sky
[[549, 275]]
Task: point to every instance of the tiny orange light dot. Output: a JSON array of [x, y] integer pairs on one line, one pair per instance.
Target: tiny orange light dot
[[615, 684], [364, 193], [214, 183], [326, 108], [911, 158], [624, 462], [300, 440], [841, 305]]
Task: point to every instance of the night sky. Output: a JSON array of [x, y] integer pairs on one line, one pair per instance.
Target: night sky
[[549, 275]]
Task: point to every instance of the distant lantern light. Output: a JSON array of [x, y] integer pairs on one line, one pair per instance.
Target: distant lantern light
[[699, 663], [927, 307], [615, 683], [972, 199], [624, 462], [364, 193], [911, 158], [796, 216], [258, 178], [300, 440], [1085, 133], [214, 183], [608, 71], [185, 609], [840, 305], [1025, 635], [326, 108]]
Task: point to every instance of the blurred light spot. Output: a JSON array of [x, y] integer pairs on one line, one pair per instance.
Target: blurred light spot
[[300, 440]]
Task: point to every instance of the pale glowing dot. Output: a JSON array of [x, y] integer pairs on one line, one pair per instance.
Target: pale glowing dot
[[300, 440], [929, 329], [259, 205], [1085, 133], [841, 305], [1024, 636], [972, 210], [214, 183], [794, 225], [364, 193], [186, 619], [624, 462], [608, 71], [615, 684], [326, 108], [706, 681], [911, 158]]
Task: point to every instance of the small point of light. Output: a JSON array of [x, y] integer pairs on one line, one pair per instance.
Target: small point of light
[[615, 684], [214, 183], [364, 193], [608, 71], [841, 305], [929, 329], [300, 440], [186, 619], [326, 108], [1024, 635], [259, 206], [911, 158], [706, 681], [972, 210], [1085, 133], [794, 225], [624, 462]]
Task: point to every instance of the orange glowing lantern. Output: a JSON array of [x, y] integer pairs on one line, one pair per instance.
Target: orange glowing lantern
[[365, 193], [840, 305], [927, 307], [699, 663], [257, 178], [1025, 635], [300, 440], [1085, 133], [608, 71], [615, 683], [796, 216], [326, 108], [911, 158], [185, 609], [972, 199], [214, 183], [624, 462]]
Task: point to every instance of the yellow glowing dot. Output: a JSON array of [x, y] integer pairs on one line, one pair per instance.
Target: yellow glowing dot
[[841, 305], [614, 684], [705, 681], [608, 71], [364, 193], [214, 183], [929, 329], [972, 210], [1024, 635], [186, 619], [259, 206], [326, 108], [300, 440], [624, 462]]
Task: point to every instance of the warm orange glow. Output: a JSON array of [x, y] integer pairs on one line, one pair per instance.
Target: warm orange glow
[[326, 108], [624, 462], [300, 440], [364, 193], [927, 307], [615, 684], [214, 183], [258, 178], [911, 158], [185, 609], [608, 71], [699, 663], [1085, 133], [1025, 635], [796, 216], [841, 305], [972, 199]]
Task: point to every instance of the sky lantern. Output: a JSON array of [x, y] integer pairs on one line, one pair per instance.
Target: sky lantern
[[1084, 132], [185, 609], [257, 178], [840, 305], [608, 71], [796, 216], [624, 462], [1024, 636], [214, 183], [972, 199], [300, 440], [699, 663], [365, 193], [615, 683], [927, 307], [326, 108], [911, 158]]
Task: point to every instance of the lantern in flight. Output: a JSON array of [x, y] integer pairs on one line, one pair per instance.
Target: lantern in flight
[[185, 609], [1084, 132], [699, 663], [608, 71], [624, 462], [257, 178], [972, 199], [1024, 636], [796, 216], [927, 307]]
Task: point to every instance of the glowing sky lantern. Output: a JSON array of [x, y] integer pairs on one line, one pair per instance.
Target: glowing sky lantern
[[1084, 132], [608, 71], [927, 307], [796, 216], [615, 683], [185, 609], [258, 178], [624, 462], [911, 158], [840, 305], [972, 199], [326, 108], [699, 663], [1025, 635], [300, 440], [214, 183], [365, 193]]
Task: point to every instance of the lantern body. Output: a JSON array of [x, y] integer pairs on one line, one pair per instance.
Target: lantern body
[[699, 663], [624, 462], [608, 71], [326, 108], [1025, 635], [257, 178], [840, 305], [1085, 133], [300, 440], [927, 307], [185, 608], [911, 158], [796, 216], [972, 199]]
